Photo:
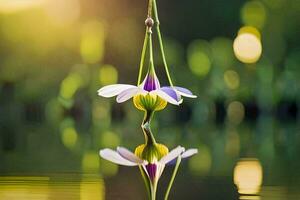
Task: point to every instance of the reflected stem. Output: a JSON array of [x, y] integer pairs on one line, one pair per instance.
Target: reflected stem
[[173, 177]]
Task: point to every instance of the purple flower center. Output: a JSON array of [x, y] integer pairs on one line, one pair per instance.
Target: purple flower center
[[151, 169], [151, 82]]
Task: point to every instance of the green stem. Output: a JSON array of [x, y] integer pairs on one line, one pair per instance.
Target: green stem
[[143, 57], [173, 177], [153, 192], [149, 138], [146, 39], [146, 181], [161, 42]]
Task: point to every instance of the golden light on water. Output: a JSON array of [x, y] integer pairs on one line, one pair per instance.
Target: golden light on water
[[248, 176], [247, 47], [44, 188], [92, 189]]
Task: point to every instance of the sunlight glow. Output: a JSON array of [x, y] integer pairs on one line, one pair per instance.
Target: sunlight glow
[[63, 12], [248, 176], [11, 6]]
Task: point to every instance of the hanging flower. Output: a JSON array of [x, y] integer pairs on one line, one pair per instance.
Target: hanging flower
[[148, 95], [152, 159]]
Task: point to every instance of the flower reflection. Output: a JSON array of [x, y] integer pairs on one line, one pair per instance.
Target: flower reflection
[[152, 162]]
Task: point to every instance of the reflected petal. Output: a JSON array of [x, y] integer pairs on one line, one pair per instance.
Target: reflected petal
[[185, 92], [113, 90], [125, 153], [172, 155], [189, 153], [114, 157], [127, 94]]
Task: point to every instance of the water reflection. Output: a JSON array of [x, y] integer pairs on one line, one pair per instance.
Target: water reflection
[[69, 187], [248, 177]]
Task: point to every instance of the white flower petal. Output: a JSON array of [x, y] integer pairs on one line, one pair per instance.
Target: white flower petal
[[172, 155], [125, 153], [189, 153], [185, 92], [165, 96], [127, 94], [115, 157], [113, 90]]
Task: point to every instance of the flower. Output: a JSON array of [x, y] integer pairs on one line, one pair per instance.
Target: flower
[[153, 162], [148, 95]]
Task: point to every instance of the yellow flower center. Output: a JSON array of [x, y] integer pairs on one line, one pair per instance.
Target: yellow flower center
[[151, 153], [149, 102]]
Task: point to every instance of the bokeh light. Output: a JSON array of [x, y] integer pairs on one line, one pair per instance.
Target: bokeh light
[[92, 42], [232, 79], [248, 176], [199, 60], [69, 137], [110, 139], [201, 163], [254, 14], [90, 162], [70, 85], [235, 112], [222, 52], [251, 30], [108, 74], [247, 48]]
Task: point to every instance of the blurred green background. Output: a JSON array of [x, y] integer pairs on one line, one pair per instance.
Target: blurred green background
[[56, 54]]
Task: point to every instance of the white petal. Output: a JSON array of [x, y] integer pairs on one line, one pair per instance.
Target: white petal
[[189, 153], [113, 90], [172, 155], [165, 96], [125, 153], [127, 94], [185, 92], [114, 157]]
